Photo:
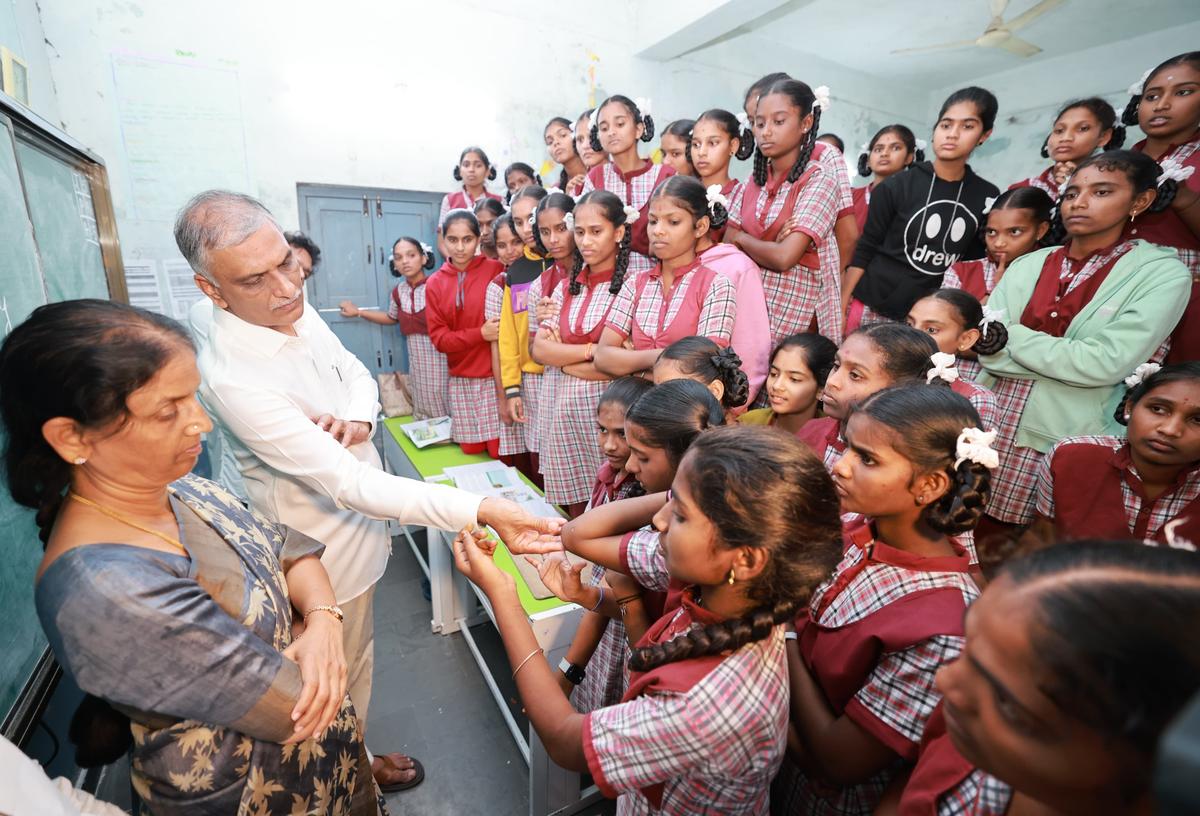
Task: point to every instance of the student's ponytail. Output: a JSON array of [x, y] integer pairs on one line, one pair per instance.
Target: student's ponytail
[[639, 118], [613, 210], [928, 424], [704, 361], [761, 488], [993, 334], [427, 257], [733, 128], [802, 97], [553, 201], [864, 165]]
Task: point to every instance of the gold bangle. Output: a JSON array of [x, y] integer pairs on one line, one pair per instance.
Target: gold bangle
[[521, 665], [334, 610]]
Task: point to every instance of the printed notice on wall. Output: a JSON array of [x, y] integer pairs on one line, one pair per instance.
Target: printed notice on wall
[[181, 123]]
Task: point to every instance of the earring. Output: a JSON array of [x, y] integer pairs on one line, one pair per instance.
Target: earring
[[79, 460], [921, 499], [732, 577], [1132, 216]]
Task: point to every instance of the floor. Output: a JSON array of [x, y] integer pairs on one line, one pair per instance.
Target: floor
[[430, 701]]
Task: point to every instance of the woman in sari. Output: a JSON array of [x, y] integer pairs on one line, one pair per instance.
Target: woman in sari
[[159, 592]]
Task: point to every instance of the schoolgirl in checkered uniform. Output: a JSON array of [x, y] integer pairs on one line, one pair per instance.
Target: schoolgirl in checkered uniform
[[783, 217], [1081, 127], [512, 433], [565, 345], [455, 299], [1144, 487], [891, 150], [717, 138], [749, 528], [658, 428], [617, 124], [474, 170], [1051, 707], [1163, 106], [874, 635], [952, 318], [428, 376], [717, 369], [1078, 319], [698, 301], [869, 360]]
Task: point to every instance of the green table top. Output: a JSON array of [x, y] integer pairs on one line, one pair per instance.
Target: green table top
[[432, 461]]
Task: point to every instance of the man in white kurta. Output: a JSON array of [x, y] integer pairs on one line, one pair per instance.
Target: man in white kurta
[[299, 411]]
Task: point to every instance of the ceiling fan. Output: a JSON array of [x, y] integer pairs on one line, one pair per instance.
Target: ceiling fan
[[998, 34]]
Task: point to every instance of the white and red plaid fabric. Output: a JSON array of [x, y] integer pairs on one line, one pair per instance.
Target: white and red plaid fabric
[[654, 314], [796, 295], [968, 369], [428, 374], [1044, 181], [640, 188], [461, 200], [1165, 507], [570, 454], [533, 397], [900, 693], [512, 436], [951, 280], [471, 424], [982, 400], [833, 159], [979, 794]]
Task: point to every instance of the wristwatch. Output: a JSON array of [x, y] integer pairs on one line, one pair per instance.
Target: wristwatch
[[573, 673]]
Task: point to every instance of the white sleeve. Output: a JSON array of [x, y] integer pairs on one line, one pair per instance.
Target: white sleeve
[[277, 431]]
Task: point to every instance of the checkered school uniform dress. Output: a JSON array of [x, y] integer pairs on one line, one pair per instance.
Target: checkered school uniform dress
[[796, 295], [980, 794], [1166, 507], [899, 695], [715, 746], [428, 375], [633, 192], [1014, 483], [656, 314], [1044, 181], [467, 395], [512, 436], [570, 455], [605, 681]]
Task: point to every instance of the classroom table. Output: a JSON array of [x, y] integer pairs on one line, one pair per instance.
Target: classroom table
[[455, 608]]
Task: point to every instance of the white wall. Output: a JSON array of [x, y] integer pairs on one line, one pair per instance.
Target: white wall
[[368, 93], [21, 32], [1031, 95]]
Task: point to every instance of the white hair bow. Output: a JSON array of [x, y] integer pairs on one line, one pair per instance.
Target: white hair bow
[[943, 368], [1174, 540], [921, 144], [715, 196], [553, 190], [975, 446], [743, 120], [643, 105], [821, 92], [987, 204], [866, 147], [572, 129], [594, 116], [990, 316], [632, 214], [1175, 170], [426, 248], [533, 219], [1136, 88], [1140, 374], [569, 220]]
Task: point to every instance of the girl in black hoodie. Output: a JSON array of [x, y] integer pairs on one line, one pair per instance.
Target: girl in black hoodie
[[922, 221]]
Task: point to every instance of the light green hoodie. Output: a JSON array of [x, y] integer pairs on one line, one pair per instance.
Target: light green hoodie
[[1079, 377]]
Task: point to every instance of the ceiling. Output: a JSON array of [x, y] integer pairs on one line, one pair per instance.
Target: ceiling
[[876, 27]]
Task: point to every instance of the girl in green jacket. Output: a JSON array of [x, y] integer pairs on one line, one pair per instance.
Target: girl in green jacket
[[1078, 319]]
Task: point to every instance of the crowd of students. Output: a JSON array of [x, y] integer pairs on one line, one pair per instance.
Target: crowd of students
[[933, 382]]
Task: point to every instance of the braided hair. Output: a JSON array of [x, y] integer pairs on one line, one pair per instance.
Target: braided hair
[[755, 91], [1141, 170], [1177, 372], [478, 151], [613, 210], [427, 256], [1104, 115], [702, 360], [638, 119], [1035, 199], [925, 425], [1129, 116], [904, 134], [682, 129], [801, 97], [79, 359], [689, 193], [760, 488], [733, 129]]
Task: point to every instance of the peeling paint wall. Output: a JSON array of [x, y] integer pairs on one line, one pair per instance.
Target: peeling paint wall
[[21, 33]]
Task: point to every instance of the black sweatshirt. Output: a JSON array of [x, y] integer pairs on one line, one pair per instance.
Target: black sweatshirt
[[917, 226]]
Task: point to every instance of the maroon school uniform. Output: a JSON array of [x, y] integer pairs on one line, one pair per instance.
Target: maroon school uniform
[[1166, 228], [460, 200], [982, 400], [976, 278], [1089, 486], [824, 436], [1043, 181], [943, 783], [874, 636], [862, 203], [634, 190], [700, 302], [428, 376]]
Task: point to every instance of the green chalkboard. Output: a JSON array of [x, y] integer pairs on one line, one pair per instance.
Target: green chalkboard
[[22, 289]]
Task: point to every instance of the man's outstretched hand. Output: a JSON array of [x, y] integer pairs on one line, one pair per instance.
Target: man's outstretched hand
[[522, 533]]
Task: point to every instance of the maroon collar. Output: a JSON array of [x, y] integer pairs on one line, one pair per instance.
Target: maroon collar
[[657, 270], [645, 168], [863, 536]]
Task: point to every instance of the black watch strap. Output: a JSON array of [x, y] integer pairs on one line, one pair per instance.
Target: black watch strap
[[572, 672]]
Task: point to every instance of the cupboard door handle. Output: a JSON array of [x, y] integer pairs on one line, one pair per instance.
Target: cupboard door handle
[[378, 206], [381, 254], [370, 252], [378, 359], [366, 207], [390, 365]]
